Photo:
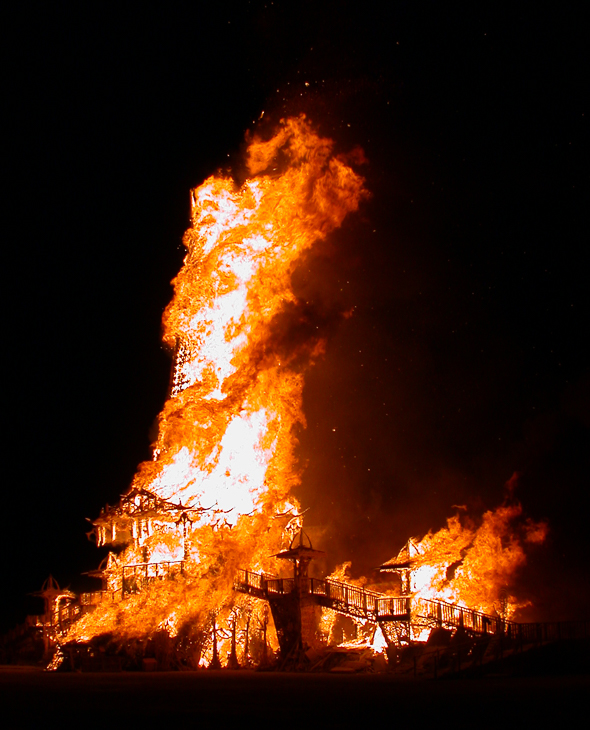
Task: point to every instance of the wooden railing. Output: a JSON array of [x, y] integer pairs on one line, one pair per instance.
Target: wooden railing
[[343, 597], [256, 583], [357, 601], [135, 577], [94, 598], [441, 613], [545, 632]]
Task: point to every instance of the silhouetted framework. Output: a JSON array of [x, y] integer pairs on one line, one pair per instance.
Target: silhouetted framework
[[402, 618], [296, 605]]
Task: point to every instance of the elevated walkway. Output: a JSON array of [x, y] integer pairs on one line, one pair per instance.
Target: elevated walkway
[[359, 602], [381, 609]]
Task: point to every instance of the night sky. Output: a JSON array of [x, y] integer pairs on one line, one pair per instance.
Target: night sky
[[466, 358]]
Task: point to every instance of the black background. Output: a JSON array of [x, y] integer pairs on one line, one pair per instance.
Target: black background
[[466, 358]]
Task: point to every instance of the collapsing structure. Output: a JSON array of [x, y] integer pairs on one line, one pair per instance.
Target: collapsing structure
[[299, 606], [199, 540]]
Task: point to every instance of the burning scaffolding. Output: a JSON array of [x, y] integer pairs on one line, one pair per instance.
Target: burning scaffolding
[[198, 541]]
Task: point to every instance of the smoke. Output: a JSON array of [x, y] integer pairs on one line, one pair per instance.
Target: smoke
[[299, 332]]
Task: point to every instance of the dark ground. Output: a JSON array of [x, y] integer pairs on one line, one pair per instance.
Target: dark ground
[[212, 699]]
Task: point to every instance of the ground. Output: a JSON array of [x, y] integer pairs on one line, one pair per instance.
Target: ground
[[216, 698]]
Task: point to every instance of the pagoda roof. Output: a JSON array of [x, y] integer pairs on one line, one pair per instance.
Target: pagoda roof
[[51, 589], [403, 560], [141, 502], [300, 547]]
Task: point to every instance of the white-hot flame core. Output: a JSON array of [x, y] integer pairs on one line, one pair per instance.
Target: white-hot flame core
[[379, 644], [234, 473], [238, 477]]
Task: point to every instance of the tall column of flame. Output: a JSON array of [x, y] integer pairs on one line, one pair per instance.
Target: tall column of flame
[[226, 433]]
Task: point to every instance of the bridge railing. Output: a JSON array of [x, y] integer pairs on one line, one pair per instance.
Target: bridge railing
[[449, 614], [280, 585], [345, 596], [356, 600], [551, 631], [377, 606], [393, 606], [248, 579], [350, 597], [261, 583], [343, 593]]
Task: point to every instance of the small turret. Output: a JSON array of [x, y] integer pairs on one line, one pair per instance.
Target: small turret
[[301, 552]]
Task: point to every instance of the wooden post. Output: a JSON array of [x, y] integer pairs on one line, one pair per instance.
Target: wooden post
[[233, 662], [246, 658], [264, 662], [215, 663]]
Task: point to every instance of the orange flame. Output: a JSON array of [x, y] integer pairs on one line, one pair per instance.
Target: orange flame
[[469, 565], [226, 437], [217, 494], [225, 447]]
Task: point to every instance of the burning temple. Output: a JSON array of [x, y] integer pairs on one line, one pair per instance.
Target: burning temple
[[208, 561]]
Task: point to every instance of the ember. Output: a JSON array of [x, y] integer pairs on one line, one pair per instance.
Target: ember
[[199, 540]]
